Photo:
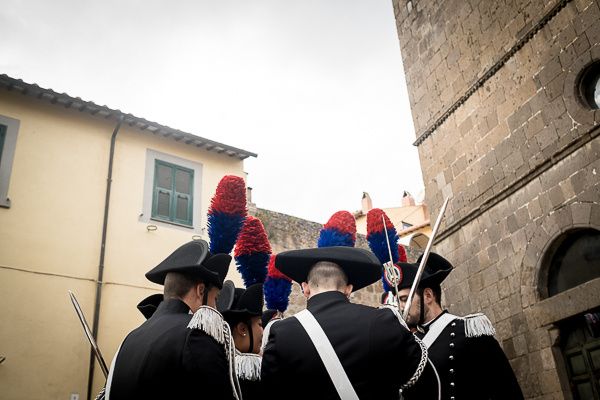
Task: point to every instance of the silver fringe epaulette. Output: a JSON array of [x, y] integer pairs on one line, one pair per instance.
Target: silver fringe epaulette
[[209, 321], [247, 366], [478, 325]]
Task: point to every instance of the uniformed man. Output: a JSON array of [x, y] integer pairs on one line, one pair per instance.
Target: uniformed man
[[335, 349], [469, 361], [163, 358]]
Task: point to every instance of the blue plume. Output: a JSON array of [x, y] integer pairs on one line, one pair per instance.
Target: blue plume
[[277, 293], [253, 267], [223, 230], [333, 237], [379, 247]]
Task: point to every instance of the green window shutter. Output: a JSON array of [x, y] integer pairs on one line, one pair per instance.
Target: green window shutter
[[173, 193], [2, 137]]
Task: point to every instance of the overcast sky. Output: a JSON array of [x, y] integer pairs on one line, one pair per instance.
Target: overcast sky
[[315, 87]]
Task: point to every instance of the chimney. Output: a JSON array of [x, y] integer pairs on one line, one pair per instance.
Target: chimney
[[367, 204], [407, 199]]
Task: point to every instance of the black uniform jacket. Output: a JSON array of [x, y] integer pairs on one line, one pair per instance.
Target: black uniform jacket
[[473, 368], [369, 342], [163, 359]]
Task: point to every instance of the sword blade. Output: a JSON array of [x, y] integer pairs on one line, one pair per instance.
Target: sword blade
[[88, 334], [424, 258]]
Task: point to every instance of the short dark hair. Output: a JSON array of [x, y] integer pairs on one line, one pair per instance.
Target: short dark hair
[[325, 273], [177, 285], [437, 292]]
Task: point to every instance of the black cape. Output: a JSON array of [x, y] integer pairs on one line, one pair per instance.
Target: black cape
[[378, 354], [163, 359]]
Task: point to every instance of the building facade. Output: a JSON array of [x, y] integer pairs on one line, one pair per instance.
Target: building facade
[[90, 200], [505, 99]]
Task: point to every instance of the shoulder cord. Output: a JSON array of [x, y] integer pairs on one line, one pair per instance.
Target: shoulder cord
[[230, 354], [422, 362]]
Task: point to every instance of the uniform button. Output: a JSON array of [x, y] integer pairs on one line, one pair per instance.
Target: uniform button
[[451, 357], [451, 397], [451, 370], [452, 334], [452, 384], [451, 344], [453, 324]]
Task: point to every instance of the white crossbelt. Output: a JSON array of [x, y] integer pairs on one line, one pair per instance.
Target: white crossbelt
[[328, 356], [437, 327]]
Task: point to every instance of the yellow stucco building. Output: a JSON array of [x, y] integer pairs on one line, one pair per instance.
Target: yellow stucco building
[[90, 199]]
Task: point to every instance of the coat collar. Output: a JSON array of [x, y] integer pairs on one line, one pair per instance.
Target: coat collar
[[326, 298], [171, 306], [429, 324]]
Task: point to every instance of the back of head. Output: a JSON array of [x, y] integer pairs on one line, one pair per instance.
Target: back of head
[[178, 285], [326, 275]]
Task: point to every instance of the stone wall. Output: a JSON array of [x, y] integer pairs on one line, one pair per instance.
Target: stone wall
[[501, 130], [289, 233]]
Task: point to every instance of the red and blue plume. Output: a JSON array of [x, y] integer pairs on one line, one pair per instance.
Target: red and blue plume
[[226, 214], [402, 256], [377, 240], [277, 288], [252, 252], [340, 230]]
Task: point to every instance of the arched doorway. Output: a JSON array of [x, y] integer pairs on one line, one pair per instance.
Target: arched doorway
[[573, 259]]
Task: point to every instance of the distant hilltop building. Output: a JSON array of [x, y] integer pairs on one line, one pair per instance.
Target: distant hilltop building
[[505, 98], [410, 219]]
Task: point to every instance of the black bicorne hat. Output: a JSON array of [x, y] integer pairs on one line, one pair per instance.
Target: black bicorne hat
[[436, 270], [246, 303], [150, 304], [267, 316], [193, 258], [360, 266], [408, 272]]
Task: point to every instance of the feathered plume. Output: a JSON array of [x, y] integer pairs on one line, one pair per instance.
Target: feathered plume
[[277, 288], [377, 241], [252, 252], [402, 257], [340, 230], [226, 214]]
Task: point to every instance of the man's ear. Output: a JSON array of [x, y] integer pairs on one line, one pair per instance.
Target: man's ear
[[348, 290], [200, 291], [305, 290], [428, 296]]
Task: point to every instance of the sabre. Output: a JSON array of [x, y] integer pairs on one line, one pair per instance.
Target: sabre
[[424, 259], [389, 266], [88, 334]]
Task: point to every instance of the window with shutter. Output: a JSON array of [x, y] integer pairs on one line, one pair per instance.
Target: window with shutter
[[173, 193]]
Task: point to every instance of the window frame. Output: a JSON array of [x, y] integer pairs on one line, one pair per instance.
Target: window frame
[[7, 154], [146, 215], [174, 194]]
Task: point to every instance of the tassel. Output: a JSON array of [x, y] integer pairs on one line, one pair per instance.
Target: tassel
[[209, 321], [248, 366], [478, 325]]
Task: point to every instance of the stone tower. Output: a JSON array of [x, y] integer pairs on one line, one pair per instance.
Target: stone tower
[[504, 97]]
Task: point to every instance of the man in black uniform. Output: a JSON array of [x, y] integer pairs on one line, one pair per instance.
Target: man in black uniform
[[376, 352], [469, 361], [163, 358]]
